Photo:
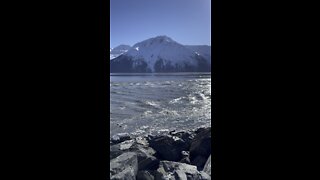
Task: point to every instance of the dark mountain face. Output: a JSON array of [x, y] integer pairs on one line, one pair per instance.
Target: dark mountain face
[[125, 64]]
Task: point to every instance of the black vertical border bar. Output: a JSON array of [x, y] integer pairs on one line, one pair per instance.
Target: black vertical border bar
[[217, 90], [103, 89]]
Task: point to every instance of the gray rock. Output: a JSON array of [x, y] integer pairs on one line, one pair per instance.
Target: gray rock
[[201, 147], [168, 147], [207, 166], [145, 154], [120, 137], [205, 175], [118, 149], [144, 175], [142, 141], [169, 170], [124, 167]]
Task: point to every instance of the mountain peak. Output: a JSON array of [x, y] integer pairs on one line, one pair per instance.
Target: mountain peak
[[155, 40], [163, 38]]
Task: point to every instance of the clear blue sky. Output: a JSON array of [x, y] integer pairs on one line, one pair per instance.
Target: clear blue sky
[[185, 21]]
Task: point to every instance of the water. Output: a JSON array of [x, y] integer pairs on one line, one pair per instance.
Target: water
[[153, 103]]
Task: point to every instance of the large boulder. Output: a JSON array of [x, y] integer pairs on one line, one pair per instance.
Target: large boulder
[[124, 166], [179, 171], [145, 154], [145, 159], [199, 161], [168, 147], [200, 148]]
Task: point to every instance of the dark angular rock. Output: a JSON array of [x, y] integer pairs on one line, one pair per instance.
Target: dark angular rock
[[124, 166], [201, 129], [179, 171], [144, 175], [149, 163], [199, 161], [201, 147], [146, 160], [168, 147]]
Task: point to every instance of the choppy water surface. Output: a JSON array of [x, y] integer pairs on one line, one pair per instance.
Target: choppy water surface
[[152, 103]]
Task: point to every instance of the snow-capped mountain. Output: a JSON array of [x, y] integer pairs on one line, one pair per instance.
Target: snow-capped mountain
[[202, 50], [160, 54], [117, 51]]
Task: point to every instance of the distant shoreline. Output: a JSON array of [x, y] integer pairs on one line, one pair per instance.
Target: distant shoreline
[[161, 74]]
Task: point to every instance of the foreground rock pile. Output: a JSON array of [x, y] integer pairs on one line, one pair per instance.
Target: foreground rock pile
[[182, 155]]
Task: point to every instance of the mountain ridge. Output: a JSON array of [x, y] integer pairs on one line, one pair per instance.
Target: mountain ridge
[[162, 54], [118, 50]]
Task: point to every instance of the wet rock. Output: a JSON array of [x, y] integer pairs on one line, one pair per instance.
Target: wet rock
[[179, 171], [207, 166], [144, 175], [124, 166], [168, 147], [146, 160], [200, 148], [120, 137], [186, 136], [145, 154], [118, 149]]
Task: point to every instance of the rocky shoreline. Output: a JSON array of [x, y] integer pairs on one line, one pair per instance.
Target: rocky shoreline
[[177, 155]]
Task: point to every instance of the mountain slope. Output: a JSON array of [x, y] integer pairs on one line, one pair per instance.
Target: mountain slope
[[117, 51], [202, 50], [159, 54]]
